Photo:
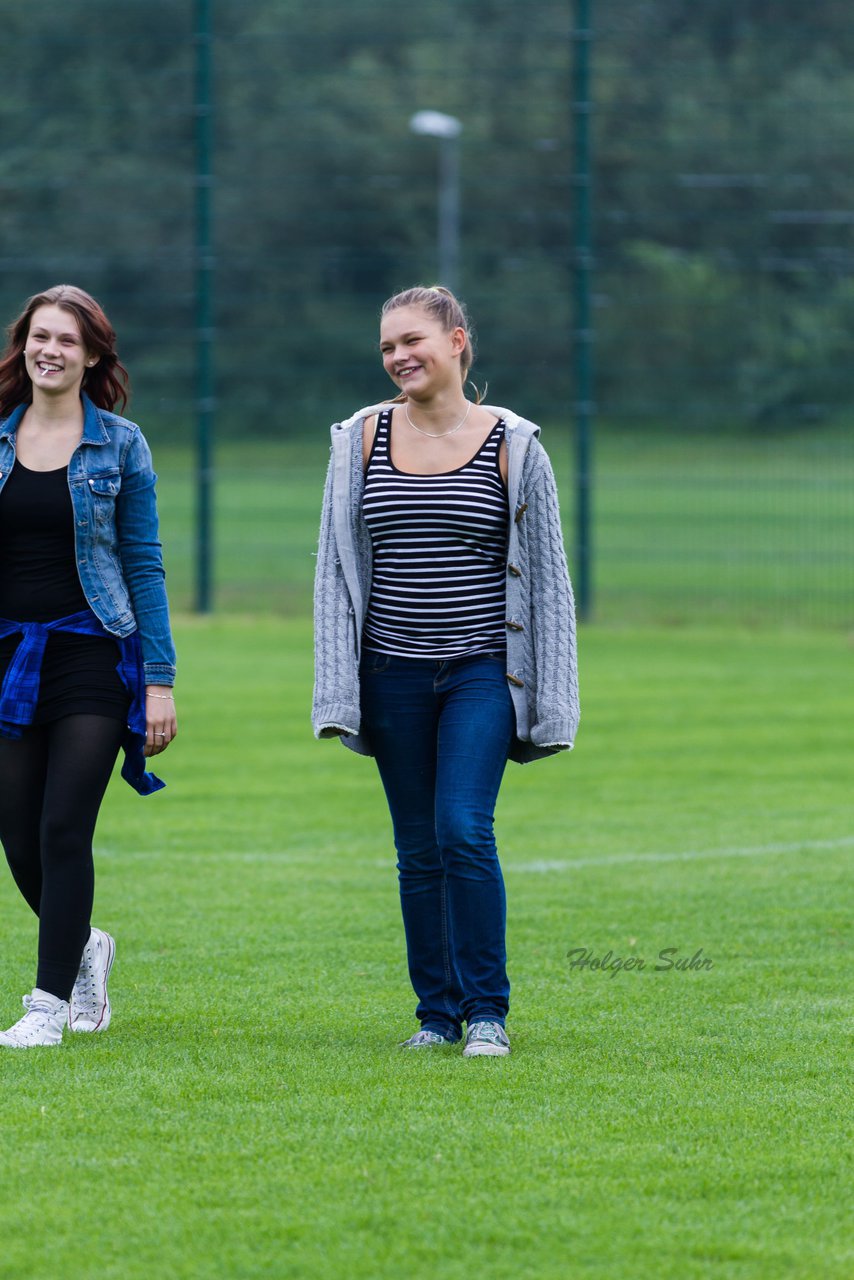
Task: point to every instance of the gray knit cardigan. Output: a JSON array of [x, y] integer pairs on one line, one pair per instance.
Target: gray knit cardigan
[[541, 657]]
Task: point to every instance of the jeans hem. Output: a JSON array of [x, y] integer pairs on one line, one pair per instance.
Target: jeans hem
[[485, 1017]]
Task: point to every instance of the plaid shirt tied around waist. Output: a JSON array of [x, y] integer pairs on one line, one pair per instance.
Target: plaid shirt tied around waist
[[19, 693]]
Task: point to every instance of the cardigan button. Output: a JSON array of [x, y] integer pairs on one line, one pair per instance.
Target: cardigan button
[[521, 511], [514, 626], [520, 684], [512, 568]]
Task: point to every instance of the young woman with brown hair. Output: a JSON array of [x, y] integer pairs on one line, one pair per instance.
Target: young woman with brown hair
[[87, 662]]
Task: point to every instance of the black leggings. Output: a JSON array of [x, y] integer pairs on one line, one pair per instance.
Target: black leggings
[[52, 782]]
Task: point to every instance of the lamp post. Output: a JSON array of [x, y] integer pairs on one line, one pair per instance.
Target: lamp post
[[435, 124]]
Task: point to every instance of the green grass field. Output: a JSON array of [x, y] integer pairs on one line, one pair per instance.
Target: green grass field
[[248, 1113]]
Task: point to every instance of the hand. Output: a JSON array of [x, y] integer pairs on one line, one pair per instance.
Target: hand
[[160, 723]]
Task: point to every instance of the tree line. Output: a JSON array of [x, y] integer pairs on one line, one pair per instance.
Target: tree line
[[722, 198]]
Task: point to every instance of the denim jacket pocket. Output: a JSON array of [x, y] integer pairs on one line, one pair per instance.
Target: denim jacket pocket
[[104, 490]]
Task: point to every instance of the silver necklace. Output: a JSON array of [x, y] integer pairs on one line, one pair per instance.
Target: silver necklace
[[437, 435]]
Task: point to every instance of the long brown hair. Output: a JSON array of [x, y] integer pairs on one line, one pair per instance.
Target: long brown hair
[[441, 305], [106, 383]]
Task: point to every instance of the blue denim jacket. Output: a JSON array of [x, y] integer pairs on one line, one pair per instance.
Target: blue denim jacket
[[119, 557]]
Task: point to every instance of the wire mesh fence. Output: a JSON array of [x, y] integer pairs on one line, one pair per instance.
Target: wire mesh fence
[[723, 268], [693, 530]]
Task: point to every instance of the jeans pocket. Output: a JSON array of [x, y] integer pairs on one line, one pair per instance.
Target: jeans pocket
[[374, 664]]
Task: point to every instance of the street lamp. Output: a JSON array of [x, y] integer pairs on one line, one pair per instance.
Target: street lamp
[[435, 124]]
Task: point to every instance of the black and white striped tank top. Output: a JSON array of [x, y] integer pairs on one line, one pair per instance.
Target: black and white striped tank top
[[439, 554]]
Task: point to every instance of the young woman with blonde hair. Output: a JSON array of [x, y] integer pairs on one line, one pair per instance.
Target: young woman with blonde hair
[[445, 644]]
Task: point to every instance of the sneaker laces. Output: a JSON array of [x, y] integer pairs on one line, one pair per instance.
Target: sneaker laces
[[37, 1006], [85, 990], [424, 1037], [493, 1032], [85, 987], [38, 1016]]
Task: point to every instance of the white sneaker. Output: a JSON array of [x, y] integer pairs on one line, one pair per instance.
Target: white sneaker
[[90, 1005], [42, 1023]]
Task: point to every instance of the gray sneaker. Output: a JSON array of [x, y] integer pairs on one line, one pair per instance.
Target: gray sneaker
[[486, 1040], [424, 1039]]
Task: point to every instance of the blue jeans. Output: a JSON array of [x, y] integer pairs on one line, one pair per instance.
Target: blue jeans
[[441, 731]]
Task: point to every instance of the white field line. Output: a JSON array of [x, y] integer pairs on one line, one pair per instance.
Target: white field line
[[316, 856], [687, 855]]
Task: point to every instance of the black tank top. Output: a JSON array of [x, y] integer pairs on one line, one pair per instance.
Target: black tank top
[[39, 582], [38, 565]]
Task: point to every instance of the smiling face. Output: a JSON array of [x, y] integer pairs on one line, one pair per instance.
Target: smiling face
[[55, 356], [419, 355]]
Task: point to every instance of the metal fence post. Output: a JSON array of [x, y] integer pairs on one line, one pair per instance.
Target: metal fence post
[[204, 265], [582, 329]]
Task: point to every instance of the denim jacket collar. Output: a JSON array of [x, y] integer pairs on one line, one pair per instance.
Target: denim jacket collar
[[94, 431], [9, 429]]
